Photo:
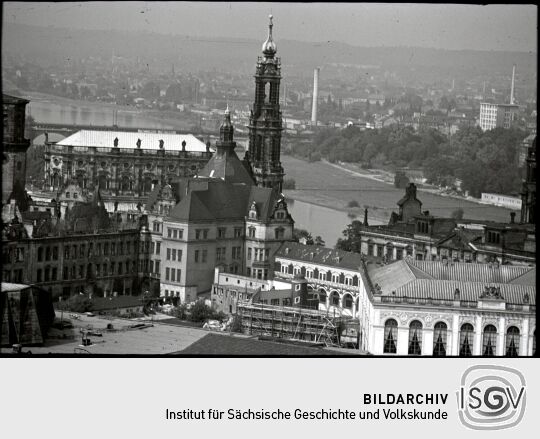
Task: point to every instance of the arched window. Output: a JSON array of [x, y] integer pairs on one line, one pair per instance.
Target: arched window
[[322, 296], [334, 298], [415, 338], [125, 183], [390, 337], [512, 342], [466, 337], [439, 339], [489, 342], [347, 301]]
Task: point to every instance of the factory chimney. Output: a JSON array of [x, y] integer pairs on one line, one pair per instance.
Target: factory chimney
[[512, 89], [315, 96]]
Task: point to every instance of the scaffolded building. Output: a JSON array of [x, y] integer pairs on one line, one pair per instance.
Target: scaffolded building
[[295, 323]]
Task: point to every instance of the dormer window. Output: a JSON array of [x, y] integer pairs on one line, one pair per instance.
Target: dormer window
[[253, 211]]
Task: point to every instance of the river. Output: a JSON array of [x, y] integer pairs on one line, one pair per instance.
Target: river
[[69, 112]]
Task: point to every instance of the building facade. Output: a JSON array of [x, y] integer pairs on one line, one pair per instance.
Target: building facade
[[125, 166], [496, 115], [411, 307]]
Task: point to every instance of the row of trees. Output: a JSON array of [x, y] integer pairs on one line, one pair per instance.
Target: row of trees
[[483, 161]]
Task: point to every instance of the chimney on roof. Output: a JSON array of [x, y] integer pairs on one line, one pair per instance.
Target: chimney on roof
[[138, 143], [161, 144], [512, 217], [115, 142], [183, 145]]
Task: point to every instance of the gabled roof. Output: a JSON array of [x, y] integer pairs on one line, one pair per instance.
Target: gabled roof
[[8, 99]]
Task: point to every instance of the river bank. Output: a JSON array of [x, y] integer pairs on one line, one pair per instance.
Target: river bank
[[334, 186]]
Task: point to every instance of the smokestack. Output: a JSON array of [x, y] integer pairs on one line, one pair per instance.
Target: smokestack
[[512, 89], [315, 96]]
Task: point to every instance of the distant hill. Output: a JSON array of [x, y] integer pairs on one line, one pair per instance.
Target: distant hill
[[53, 45]]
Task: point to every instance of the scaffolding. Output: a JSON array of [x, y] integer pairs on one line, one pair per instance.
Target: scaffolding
[[292, 323]]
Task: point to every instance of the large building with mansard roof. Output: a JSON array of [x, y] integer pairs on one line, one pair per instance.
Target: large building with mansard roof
[[417, 307]]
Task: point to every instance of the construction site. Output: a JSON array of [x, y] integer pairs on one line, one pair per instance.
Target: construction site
[[299, 324]]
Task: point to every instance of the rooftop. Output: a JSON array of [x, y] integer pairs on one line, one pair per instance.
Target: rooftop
[[439, 280], [128, 140], [319, 255]]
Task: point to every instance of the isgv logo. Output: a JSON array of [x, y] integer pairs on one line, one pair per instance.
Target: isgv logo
[[491, 397]]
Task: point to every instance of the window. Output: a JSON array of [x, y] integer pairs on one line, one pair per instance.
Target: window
[[65, 273], [493, 237], [157, 266], [173, 273], [47, 253], [280, 233], [47, 274], [370, 249], [348, 281], [169, 233], [390, 337], [196, 255], [380, 250], [251, 232], [221, 232], [158, 247], [237, 232], [205, 234], [167, 273], [173, 254], [220, 253], [236, 252], [415, 338], [348, 302], [439, 339], [55, 253], [512, 342], [335, 277], [489, 341], [168, 254], [249, 254], [198, 234], [334, 299], [322, 276], [399, 253], [274, 302], [204, 255]]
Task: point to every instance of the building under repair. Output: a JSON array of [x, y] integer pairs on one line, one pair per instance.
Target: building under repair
[[296, 323]]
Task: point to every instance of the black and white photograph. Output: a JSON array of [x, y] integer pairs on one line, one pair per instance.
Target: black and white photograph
[[241, 179]]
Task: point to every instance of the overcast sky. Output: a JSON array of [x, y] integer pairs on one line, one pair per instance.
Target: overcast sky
[[492, 27]]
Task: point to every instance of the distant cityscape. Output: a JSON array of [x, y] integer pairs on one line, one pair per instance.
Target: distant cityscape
[[113, 235]]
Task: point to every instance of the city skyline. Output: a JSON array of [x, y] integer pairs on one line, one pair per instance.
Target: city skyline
[[491, 27]]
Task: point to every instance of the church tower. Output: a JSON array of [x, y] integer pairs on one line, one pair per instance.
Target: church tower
[[265, 123]]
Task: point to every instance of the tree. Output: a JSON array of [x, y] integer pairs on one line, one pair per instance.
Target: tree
[[299, 234], [180, 312], [79, 303], [201, 312], [289, 183], [458, 213], [351, 240], [401, 180]]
